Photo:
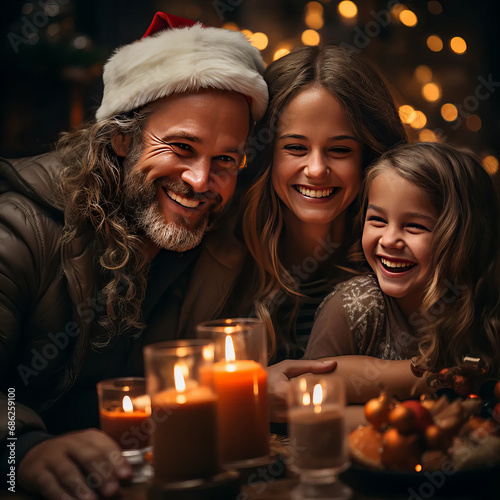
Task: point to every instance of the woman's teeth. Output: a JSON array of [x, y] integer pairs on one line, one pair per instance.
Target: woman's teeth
[[315, 193]]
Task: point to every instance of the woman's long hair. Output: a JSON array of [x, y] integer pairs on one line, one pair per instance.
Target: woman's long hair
[[92, 179], [370, 111], [460, 313]]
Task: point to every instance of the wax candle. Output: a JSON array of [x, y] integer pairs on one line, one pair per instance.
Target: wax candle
[[125, 423], [318, 437], [243, 417], [184, 439]]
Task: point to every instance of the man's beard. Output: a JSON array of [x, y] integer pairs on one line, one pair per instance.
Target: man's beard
[[144, 214]]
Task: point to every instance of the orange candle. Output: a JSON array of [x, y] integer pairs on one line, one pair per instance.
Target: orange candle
[[125, 424], [185, 436], [243, 420]]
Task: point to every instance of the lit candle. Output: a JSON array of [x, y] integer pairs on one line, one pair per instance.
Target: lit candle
[[125, 422], [184, 439], [317, 430], [243, 420]]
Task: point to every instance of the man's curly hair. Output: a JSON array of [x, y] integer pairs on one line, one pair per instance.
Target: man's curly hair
[[92, 180]]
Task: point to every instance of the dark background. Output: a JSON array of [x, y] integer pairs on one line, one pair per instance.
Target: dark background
[[52, 54]]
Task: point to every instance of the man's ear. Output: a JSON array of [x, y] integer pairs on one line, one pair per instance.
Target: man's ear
[[121, 143]]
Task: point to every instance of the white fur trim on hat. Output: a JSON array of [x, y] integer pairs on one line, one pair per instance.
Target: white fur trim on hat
[[182, 60]]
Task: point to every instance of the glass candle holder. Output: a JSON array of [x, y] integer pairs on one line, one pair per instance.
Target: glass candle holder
[[184, 415], [240, 381], [318, 436], [124, 410]]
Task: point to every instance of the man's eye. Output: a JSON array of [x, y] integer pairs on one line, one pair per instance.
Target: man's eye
[[226, 159], [182, 146]]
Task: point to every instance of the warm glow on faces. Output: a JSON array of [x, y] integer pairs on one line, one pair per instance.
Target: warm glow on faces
[[317, 160], [193, 144], [397, 238]]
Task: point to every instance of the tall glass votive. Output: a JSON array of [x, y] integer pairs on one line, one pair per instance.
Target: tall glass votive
[[318, 436], [184, 414], [240, 381], [124, 410]]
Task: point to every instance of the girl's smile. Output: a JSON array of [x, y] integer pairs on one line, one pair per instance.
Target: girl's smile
[[397, 238]]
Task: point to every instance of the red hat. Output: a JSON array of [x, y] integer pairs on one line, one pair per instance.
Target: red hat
[[178, 55]]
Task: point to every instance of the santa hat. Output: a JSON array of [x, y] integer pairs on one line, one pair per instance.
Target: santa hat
[[177, 55]]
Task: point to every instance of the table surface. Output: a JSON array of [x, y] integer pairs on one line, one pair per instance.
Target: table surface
[[277, 483]]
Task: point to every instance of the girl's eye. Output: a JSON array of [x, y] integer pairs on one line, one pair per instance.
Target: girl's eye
[[414, 225], [376, 219]]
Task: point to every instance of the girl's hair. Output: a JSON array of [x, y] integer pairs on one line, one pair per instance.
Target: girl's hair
[[375, 122], [92, 180], [460, 310]]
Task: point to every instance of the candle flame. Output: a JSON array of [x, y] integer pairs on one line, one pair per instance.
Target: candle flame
[[418, 468], [230, 354], [127, 405], [306, 399], [317, 394], [180, 384]]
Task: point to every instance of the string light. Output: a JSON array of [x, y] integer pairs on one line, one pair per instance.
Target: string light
[[431, 92], [427, 135], [406, 113], [280, 53], [449, 112], [473, 123], [310, 37], [259, 40], [434, 43], [408, 18], [230, 26], [347, 9], [423, 74], [490, 164], [458, 45], [419, 121]]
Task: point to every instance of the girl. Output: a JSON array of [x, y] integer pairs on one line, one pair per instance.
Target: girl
[[431, 237]]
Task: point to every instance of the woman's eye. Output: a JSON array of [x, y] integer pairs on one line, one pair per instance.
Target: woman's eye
[[340, 150], [298, 148]]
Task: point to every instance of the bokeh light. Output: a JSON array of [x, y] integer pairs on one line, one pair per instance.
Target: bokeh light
[[431, 92], [280, 53], [490, 164], [474, 123], [434, 7], [449, 112], [259, 40], [408, 18], [310, 37], [423, 74], [434, 43], [458, 45], [419, 120], [406, 113], [230, 26], [348, 9], [427, 135]]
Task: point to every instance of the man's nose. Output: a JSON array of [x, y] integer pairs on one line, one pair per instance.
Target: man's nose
[[198, 174]]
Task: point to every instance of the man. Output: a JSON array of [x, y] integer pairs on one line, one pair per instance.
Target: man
[[97, 242]]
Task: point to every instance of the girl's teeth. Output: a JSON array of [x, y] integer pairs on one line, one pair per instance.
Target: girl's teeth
[[388, 263]]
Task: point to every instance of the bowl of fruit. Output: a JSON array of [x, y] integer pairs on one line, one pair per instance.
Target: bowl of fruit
[[428, 444]]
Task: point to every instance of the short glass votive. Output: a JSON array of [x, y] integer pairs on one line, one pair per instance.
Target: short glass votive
[[124, 410], [184, 413], [318, 436], [240, 381]]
